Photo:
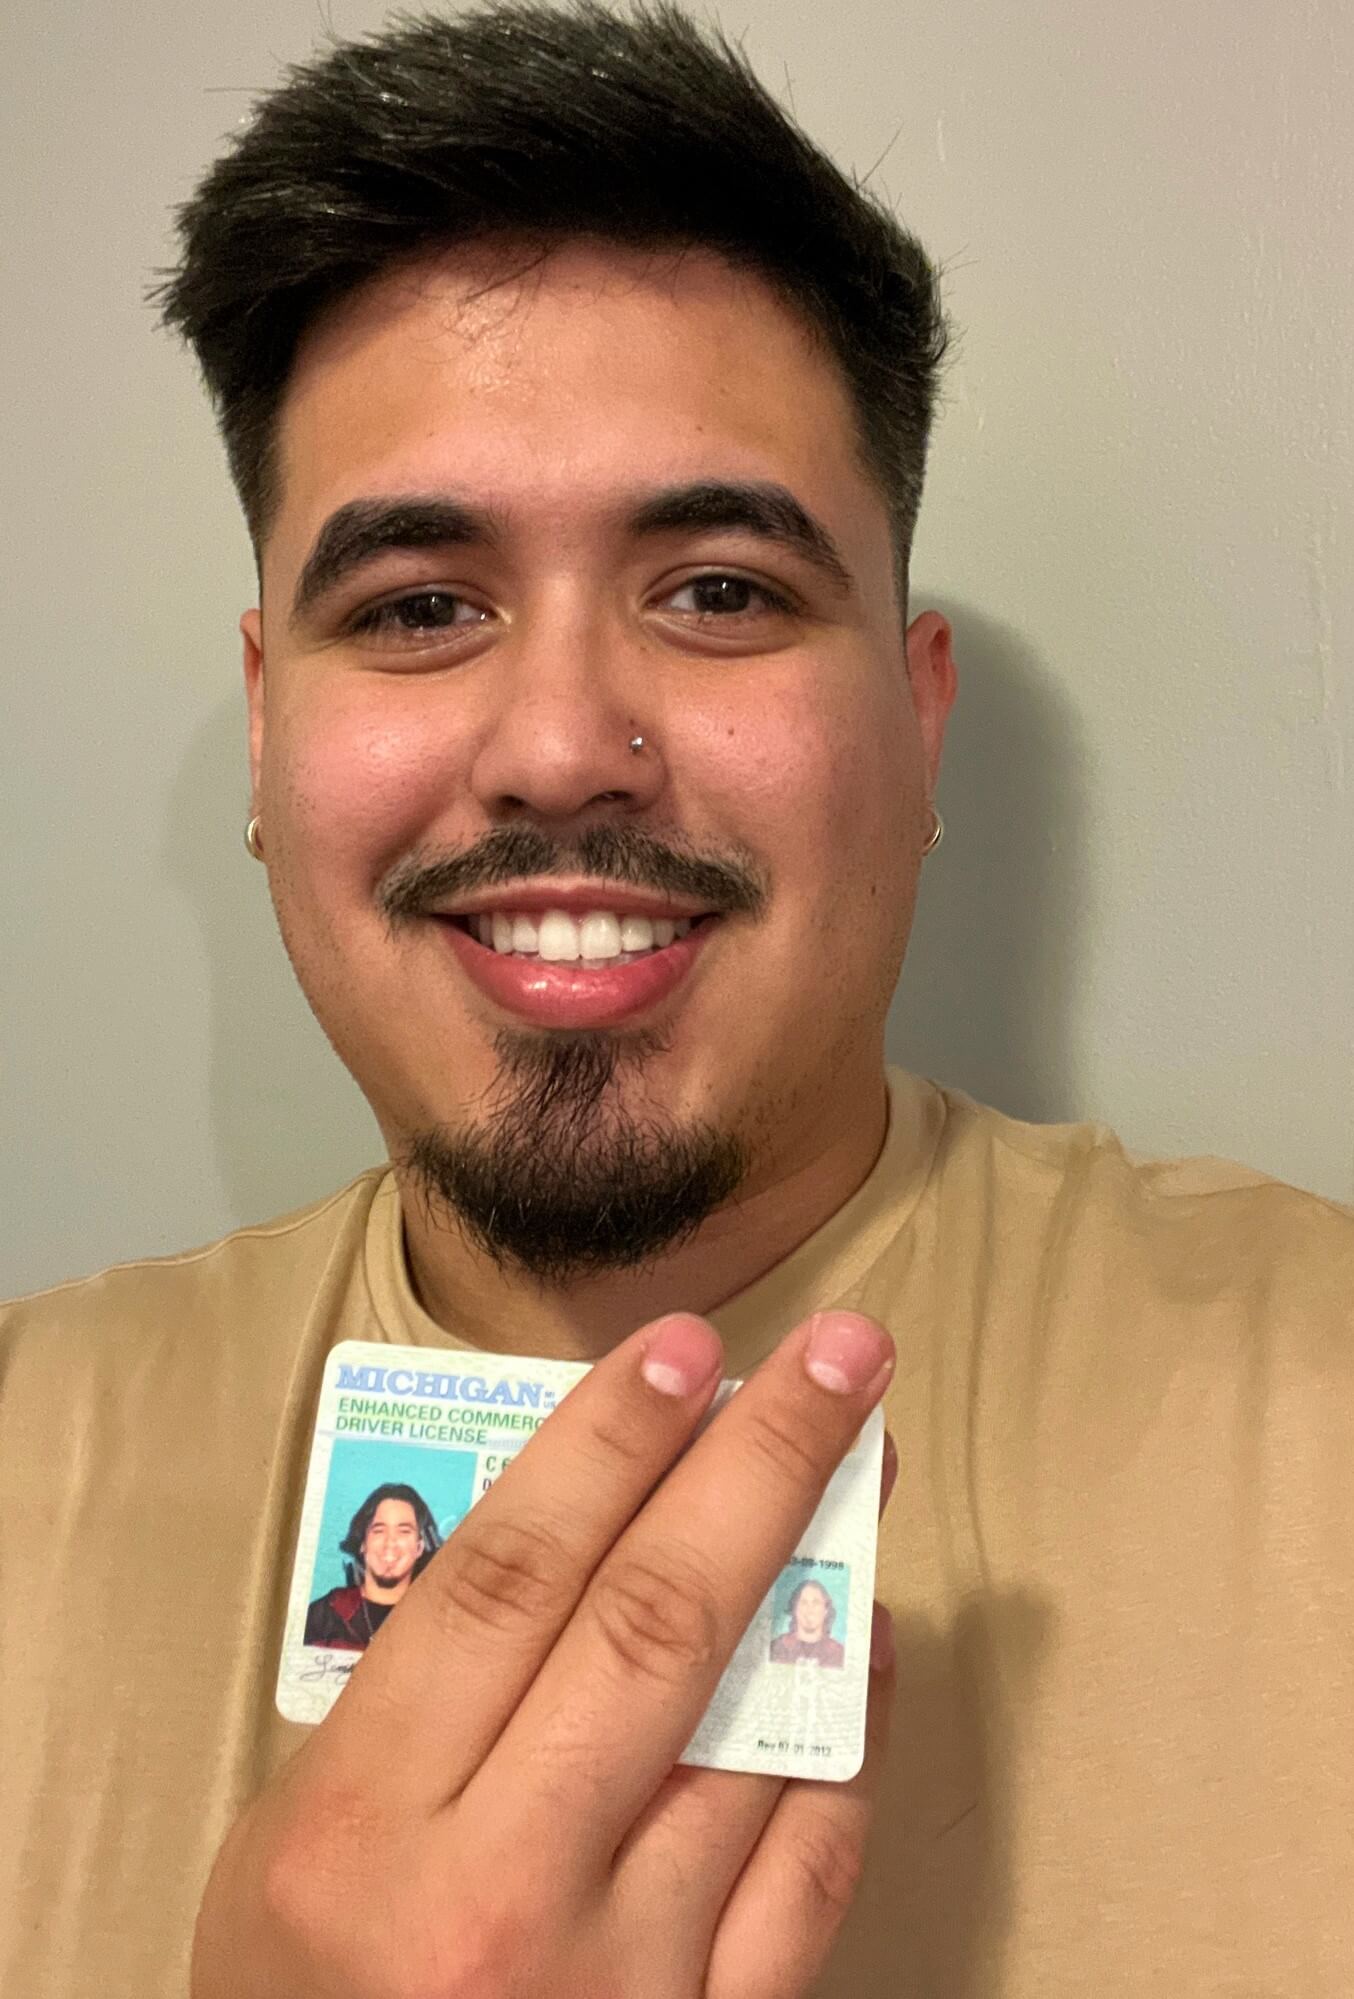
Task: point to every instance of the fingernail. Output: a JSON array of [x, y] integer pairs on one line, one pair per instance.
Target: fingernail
[[846, 1353], [681, 1355], [881, 1640]]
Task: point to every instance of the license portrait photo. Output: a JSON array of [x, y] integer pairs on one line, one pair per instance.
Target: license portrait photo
[[809, 1616], [387, 1511]]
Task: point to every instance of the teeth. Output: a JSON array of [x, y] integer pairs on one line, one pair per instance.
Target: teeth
[[599, 936], [636, 934], [557, 938]]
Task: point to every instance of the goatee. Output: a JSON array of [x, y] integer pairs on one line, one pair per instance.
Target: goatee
[[564, 1182]]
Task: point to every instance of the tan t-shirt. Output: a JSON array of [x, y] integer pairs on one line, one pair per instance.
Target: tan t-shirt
[[1120, 1557]]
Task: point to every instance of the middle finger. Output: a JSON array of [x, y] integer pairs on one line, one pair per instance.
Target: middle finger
[[621, 1694]]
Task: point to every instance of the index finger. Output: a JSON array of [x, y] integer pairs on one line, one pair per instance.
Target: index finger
[[444, 1673]]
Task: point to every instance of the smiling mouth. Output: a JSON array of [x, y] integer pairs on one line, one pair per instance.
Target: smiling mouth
[[557, 939]]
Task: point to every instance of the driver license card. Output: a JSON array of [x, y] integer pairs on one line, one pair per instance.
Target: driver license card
[[408, 1438]]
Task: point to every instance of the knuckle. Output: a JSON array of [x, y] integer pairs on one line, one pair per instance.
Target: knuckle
[[360, 1901], [504, 1574], [314, 1855], [618, 1443], [659, 1619], [787, 1449], [827, 1863], [481, 1956]]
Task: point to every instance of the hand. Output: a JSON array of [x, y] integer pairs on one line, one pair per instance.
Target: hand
[[493, 1809]]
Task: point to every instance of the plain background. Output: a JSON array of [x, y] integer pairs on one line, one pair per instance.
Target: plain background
[[1138, 516]]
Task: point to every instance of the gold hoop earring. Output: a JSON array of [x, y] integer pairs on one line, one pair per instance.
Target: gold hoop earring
[[252, 840], [937, 834]]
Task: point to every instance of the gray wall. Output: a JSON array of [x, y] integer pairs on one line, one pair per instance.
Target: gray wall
[[1139, 518]]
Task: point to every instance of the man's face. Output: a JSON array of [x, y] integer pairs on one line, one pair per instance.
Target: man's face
[[443, 730], [392, 1544], [811, 1613]]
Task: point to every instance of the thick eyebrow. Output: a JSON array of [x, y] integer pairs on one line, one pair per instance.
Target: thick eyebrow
[[362, 529], [770, 512]]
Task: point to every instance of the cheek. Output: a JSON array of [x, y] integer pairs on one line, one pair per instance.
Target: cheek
[[828, 777], [352, 777]]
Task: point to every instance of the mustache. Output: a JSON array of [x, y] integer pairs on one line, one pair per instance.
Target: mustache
[[415, 884]]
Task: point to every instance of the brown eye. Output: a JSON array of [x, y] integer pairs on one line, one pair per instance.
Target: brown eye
[[721, 593], [716, 596], [421, 613]]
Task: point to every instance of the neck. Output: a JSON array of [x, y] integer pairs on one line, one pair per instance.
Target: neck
[[484, 1307]]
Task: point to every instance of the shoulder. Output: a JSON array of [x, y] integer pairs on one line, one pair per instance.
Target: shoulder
[[1049, 1149], [179, 1331], [258, 1258], [343, 1601], [1102, 1299], [1081, 1180], [1055, 1258], [330, 1619]]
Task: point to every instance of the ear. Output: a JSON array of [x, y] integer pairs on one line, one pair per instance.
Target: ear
[[934, 682], [251, 631]]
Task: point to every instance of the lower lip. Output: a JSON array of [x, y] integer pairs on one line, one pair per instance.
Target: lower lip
[[567, 995]]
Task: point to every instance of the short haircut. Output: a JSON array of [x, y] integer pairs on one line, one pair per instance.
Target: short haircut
[[360, 1524], [542, 124]]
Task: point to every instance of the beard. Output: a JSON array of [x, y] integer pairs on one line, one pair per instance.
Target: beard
[[387, 1580], [563, 1183]]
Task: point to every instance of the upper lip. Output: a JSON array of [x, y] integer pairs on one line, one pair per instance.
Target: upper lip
[[529, 899]]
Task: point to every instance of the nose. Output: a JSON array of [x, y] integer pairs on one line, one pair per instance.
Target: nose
[[570, 697]]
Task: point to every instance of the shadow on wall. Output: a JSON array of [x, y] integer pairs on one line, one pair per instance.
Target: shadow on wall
[[288, 1123], [986, 999]]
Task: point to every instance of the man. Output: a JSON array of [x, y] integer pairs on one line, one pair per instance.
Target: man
[[808, 1635], [579, 408], [391, 1539]]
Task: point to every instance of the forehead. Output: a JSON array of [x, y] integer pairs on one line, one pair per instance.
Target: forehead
[[394, 1513], [544, 386]]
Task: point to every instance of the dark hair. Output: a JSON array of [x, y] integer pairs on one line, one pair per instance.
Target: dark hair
[[541, 123], [360, 1524], [812, 1582]]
